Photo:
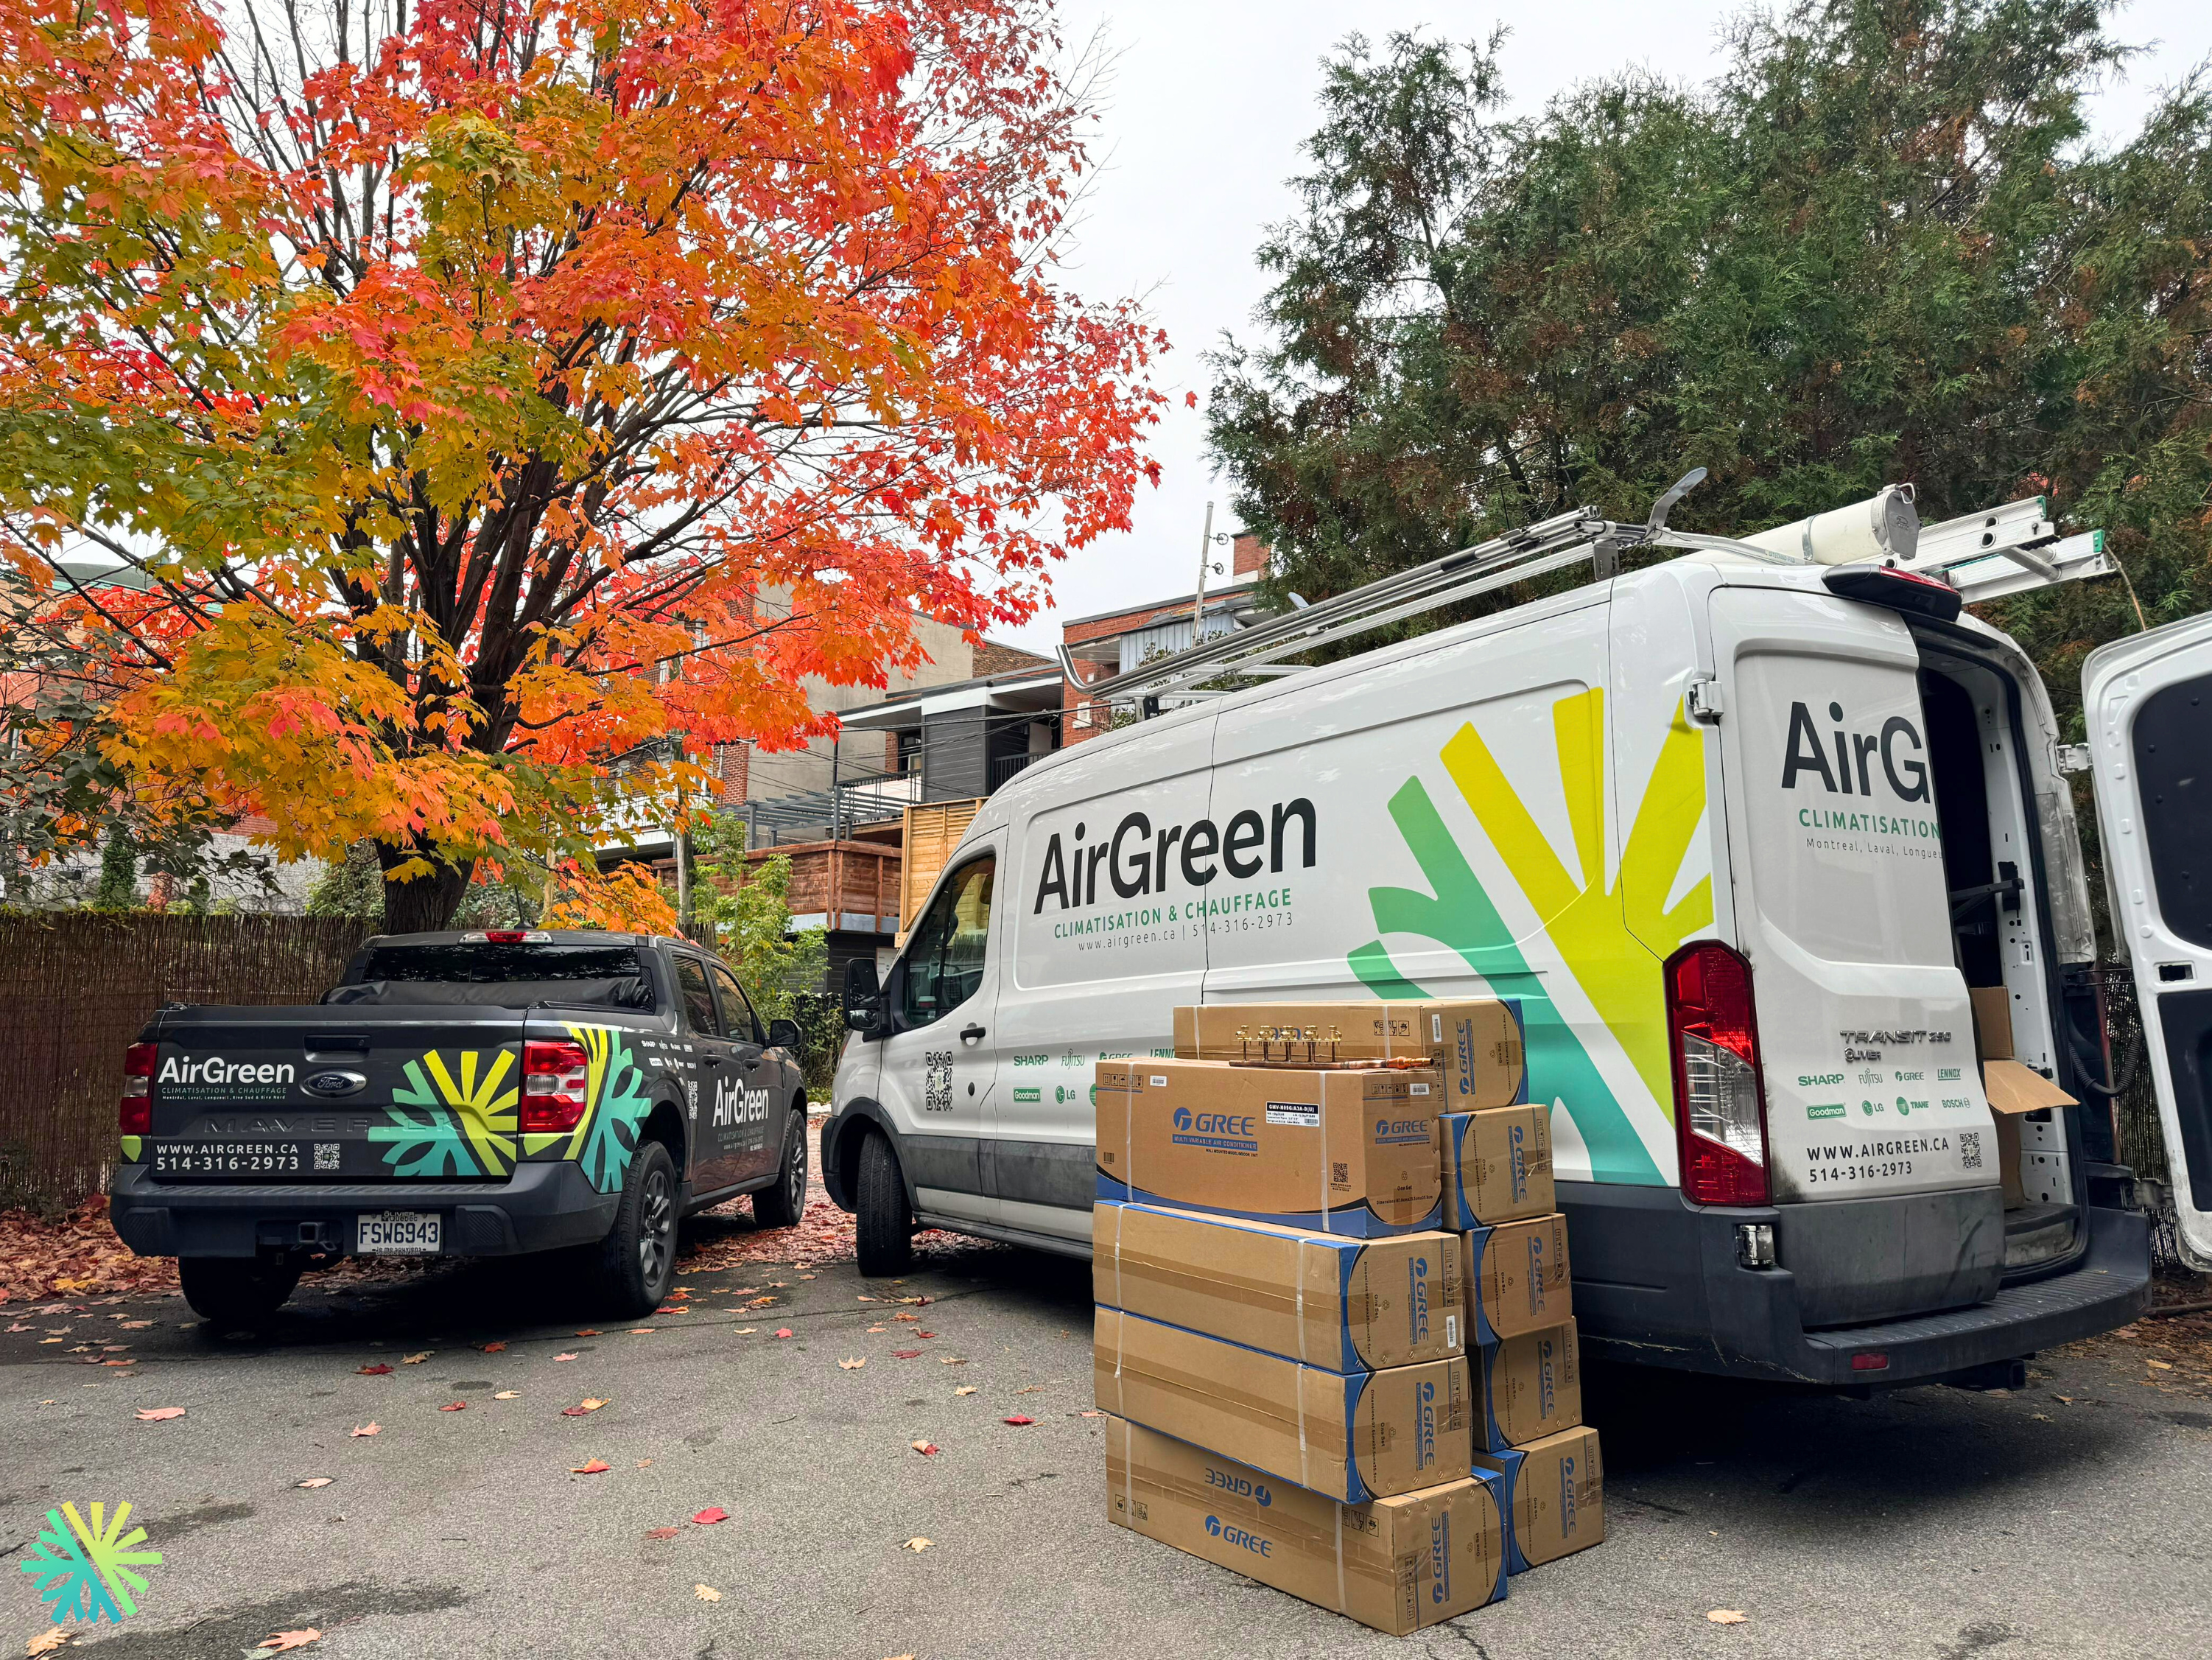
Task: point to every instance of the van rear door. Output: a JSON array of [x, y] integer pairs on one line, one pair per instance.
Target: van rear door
[[2148, 701]]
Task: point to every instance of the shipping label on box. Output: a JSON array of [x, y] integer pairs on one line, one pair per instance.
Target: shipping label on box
[[1354, 1152], [1531, 1386], [1347, 1305], [1554, 1497], [1352, 1436], [1476, 1043], [1497, 1166], [1517, 1277], [1396, 1563]]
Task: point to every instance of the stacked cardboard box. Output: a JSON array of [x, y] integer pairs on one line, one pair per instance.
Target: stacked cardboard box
[[1282, 1327]]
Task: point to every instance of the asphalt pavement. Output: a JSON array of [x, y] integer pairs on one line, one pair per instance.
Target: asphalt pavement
[[2072, 1518]]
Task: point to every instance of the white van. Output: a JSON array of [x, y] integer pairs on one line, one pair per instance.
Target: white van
[[1738, 845]]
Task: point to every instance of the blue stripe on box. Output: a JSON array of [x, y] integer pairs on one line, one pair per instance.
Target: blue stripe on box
[[1352, 1222]]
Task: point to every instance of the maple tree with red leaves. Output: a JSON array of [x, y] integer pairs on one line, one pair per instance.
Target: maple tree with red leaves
[[504, 402]]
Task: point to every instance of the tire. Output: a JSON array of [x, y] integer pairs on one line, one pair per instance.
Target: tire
[[235, 1291], [883, 1223], [782, 1205], [637, 1261]]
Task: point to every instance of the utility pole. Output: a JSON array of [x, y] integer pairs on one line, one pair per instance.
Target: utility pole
[[1205, 556]]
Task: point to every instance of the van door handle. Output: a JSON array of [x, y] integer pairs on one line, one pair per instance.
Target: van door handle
[[971, 1033]]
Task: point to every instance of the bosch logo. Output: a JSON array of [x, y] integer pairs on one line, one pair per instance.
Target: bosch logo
[[1230, 1533], [1183, 1118], [330, 1085]]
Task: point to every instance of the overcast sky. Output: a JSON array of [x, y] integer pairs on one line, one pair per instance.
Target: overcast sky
[[1208, 104]]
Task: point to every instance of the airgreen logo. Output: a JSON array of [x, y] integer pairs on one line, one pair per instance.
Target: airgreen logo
[[86, 1570], [1825, 1110], [1029, 1095]]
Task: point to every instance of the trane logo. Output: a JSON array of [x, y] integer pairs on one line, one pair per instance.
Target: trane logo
[[1212, 1123], [1417, 1297], [1843, 760], [1140, 861], [217, 1070], [1230, 1533]]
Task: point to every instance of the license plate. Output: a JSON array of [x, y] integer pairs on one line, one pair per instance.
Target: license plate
[[221, 1160], [400, 1233]]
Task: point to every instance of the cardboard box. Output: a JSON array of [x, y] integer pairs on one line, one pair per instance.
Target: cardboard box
[[1554, 1497], [1352, 1152], [1395, 1564], [1346, 1305], [1531, 1386], [2013, 1088], [1476, 1043], [1497, 1166], [1517, 1277], [1353, 1436]]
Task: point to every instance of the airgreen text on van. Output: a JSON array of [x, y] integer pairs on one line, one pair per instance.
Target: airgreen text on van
[[1140, 863]]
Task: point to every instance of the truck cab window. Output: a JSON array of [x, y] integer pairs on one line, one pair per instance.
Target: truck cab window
[[944, 962], [698, 997], [738, 1018]]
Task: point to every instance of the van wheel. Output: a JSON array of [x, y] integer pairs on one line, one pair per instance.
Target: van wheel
[[637, 1261], [235, 1291], [883, 1225], [782, 1205]]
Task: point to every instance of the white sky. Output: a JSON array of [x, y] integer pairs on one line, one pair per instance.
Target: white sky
[[1208, 102]]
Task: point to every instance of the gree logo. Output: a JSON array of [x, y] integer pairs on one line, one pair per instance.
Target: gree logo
[[1464, 1036], [87, 1571], [1425, 1426], [1547, 1387], [1440, 1557], [1517, 1162], [1230, 1533], [1567, 1496], [1212, 1123], [1417, 1297]]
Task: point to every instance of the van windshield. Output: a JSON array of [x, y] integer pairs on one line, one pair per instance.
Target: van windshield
[[502, 975]]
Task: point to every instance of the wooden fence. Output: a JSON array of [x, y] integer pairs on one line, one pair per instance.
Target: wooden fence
[[74, 988]]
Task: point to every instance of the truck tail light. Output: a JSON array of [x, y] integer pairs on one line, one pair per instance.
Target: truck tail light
[[553, 1087], [134, 1114], [1720, 1104]]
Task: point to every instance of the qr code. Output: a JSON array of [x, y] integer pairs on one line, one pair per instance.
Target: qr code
[[326, 1155], [1342, 1177], [1970, 1149]]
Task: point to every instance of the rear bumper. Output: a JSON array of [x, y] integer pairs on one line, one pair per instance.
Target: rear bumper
[[542, 1206], [1656, 1282]]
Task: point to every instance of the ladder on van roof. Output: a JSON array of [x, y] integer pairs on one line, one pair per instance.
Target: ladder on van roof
[[2013, 549]]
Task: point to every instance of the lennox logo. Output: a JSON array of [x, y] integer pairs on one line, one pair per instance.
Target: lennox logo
[[1440, 1557], [1852, 750], [1417, 1297], [217, 1070], [1230, 1533], [1139, 863], [1425, 1426]]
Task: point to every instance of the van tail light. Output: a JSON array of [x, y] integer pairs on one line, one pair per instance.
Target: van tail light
[[134, 1114], [1720, 1104], [553, 1087]]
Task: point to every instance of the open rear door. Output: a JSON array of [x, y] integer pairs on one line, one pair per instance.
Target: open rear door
[[2148, 704]]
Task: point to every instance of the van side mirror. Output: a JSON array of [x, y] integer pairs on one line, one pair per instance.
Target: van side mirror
[[864, 998], [784, 1034]]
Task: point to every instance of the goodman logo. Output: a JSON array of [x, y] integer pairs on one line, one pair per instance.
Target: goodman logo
[[1417, 1297], [1140, 861], [1440, 1557], [1229, 1533], [217, 1070], [1897, 745], [1425, 1426]]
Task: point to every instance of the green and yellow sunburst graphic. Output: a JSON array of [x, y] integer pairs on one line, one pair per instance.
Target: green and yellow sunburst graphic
[[88, 1569], [463, 1127]]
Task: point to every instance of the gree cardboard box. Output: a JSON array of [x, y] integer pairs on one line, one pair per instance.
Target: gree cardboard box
[[1517, 1277], [1350, 1151], [1497, 1166], [1353, 1436], [1554, 1497], [1476, 1043], [1396, 1563], [1530, 1386], [1346, 1305]]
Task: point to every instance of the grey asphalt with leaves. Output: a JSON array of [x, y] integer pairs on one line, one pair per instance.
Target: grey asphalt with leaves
[[2074, 1518]]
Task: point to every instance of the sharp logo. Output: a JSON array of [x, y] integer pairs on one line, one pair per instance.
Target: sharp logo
[[1897, 745], [1230, 1533], [1440, 1557], [214, 1069], [1417, 1297], [1139, 862], [1425, 1426], [735, 1104]]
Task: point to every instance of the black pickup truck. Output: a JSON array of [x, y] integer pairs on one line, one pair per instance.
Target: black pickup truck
[[461, 1095]]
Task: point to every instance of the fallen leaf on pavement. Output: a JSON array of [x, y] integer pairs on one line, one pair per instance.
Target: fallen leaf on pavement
[[587, 1404], [926, 1449], [376, 1371], [706, 1593], [643, 1331], [370, 1429], [925, 1333], [416, 1359], [316, 1482], [48, 1641], [591, 1467], [564, 1357], [662, 1533], [951, 1360], [903, 1315], [965, 1389], [906, 1354], [587, 1332], [159, 1414], [2040, 1417], [916, 1544], [851, 1366], [1094, 1414], [2068, 1399], [783, 1331], [712, 1514], [128, 1325], [1017, 1417], [864, 1300], [806, 1276], [454, 1406], [1727, 1617], [876, 1328], [494, 1348], [2163, 1365], [509, 1394], [277, 1642], [746, 1331]]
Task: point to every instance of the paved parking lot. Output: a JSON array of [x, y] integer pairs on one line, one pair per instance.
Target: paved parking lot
[[2073, 1518]]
